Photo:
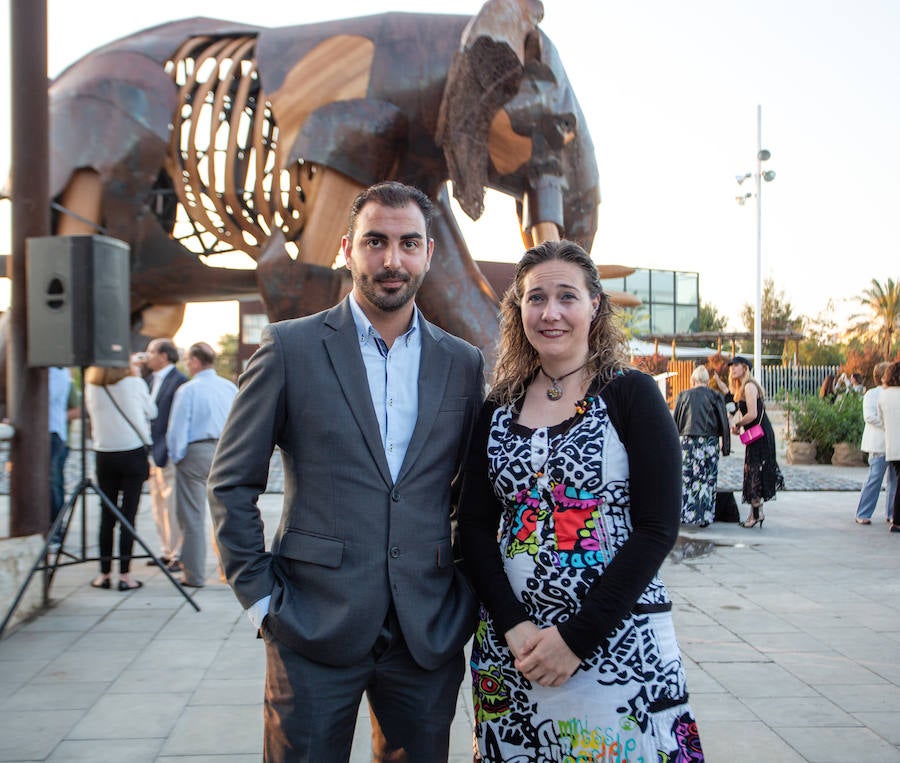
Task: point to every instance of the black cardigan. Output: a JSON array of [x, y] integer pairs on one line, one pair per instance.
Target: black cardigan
[[644, 425]]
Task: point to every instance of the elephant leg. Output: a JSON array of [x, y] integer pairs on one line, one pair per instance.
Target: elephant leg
[[328, 203], [455, 295], [81, 216], [291, 289], [158, 321], [81, 197]]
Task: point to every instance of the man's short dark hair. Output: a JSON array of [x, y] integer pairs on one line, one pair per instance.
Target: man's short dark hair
[[395, 195], [167, 347], [203, 352]]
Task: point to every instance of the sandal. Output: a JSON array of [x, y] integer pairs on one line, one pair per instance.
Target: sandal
[[100, 582], [123, 586]]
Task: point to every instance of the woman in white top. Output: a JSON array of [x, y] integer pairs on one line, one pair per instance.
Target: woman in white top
[[889, 410], [120, 408], [873, 444]]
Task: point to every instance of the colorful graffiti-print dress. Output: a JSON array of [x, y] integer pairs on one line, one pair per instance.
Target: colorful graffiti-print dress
[[573, 553]]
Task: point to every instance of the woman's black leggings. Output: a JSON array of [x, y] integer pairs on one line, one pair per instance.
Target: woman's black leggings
[[120, 476]]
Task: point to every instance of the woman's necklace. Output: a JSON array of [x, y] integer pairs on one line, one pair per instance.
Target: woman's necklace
[[554, 391]]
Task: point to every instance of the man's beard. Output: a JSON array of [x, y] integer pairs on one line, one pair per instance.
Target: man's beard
[[388, 302]]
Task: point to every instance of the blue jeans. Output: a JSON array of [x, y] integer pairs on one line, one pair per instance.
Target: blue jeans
[[58, 453], [872, 488]]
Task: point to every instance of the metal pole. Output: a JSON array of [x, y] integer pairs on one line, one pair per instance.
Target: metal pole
[[27, 387], [757, 317]]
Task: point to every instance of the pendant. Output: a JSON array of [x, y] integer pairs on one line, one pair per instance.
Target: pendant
[[554, 391]]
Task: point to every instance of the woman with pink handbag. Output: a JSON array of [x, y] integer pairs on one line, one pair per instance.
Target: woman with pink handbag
[[762, 477]]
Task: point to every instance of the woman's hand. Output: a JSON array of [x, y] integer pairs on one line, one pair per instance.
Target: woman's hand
[[520, 635], [542, 656]]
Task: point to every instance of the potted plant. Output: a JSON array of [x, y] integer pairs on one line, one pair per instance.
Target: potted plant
[[819, 429], [801, 448], [848, 431]]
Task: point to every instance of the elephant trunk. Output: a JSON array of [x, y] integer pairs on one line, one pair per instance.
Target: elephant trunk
[[455, 295], [550, 213]]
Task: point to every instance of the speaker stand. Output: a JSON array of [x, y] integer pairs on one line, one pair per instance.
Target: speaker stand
[[60, 529]]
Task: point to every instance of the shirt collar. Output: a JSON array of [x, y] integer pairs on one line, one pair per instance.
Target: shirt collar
[[367, 332], [163, 372]]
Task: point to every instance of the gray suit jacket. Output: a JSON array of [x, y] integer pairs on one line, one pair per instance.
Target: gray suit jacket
[[350, 540]]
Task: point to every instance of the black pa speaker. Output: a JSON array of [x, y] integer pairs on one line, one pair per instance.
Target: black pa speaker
[[78, 301]]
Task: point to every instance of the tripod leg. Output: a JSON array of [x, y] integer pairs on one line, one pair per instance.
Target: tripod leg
[[126, 524], [60, 529], [61, 521]]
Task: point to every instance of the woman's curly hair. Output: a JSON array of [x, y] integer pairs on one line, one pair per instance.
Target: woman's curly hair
[[517, 360], [891, 374]]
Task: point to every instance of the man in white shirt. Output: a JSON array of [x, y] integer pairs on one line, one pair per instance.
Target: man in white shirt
[[162, 354], [197, 418]]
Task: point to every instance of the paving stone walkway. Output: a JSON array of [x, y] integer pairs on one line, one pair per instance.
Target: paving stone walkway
[[788, 633]]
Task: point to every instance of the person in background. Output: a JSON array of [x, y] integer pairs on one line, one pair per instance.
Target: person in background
[[702, 423], [164, 380], [852, 383], [762, 477], [873, 444], [827, 391], [120, 409], [197, 418], [576, 460], [889, 410], [61, 409]]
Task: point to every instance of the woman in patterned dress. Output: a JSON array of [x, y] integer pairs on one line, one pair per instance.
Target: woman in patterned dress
[[576, 461], [702, 421]]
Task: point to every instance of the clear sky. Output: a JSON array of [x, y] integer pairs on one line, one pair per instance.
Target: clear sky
[[669, 91]]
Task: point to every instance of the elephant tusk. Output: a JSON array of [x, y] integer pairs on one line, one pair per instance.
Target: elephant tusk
[[541, 232]]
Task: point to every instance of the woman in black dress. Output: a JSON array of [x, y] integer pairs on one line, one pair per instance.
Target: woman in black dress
[[762, 477]]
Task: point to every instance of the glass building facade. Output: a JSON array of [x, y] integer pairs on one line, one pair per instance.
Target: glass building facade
[[671, 300]]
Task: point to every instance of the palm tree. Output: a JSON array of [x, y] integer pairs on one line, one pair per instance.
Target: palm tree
[[883, 320]]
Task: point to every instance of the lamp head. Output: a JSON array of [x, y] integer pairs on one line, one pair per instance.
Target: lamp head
[[768, 176], [764, 155]]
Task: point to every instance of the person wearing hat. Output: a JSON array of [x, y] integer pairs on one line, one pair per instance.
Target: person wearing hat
[[762, 477]]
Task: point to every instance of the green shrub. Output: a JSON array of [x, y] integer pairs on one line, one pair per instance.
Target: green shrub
[[815, 420]]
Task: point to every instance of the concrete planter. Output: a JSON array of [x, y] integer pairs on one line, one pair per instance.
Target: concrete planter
[[799, 452], [17, 557], [847, 454]]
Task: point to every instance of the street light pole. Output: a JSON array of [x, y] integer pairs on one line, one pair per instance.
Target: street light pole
[[761, 156], [757, 315]]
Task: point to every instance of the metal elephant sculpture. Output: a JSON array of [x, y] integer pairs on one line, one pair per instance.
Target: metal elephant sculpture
[[200, 138]]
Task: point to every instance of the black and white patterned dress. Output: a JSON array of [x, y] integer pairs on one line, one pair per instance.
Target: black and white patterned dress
[[564, 514]]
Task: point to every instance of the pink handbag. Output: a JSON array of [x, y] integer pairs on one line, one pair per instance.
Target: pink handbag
[[752, 434]]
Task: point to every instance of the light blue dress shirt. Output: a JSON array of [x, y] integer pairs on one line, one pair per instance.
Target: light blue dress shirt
[[59, 382], [199, 410], [393, 376], [393, 382]]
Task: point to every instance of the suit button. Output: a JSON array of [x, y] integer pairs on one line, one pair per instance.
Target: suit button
[[395, 552], [395, 496]]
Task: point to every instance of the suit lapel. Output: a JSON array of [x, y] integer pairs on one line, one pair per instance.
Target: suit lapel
[[342, 347], [434, 367]]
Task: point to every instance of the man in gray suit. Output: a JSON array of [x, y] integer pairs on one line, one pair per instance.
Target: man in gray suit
[[372, 407]]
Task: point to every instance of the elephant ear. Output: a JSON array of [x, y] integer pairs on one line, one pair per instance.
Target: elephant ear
[[485, 74]]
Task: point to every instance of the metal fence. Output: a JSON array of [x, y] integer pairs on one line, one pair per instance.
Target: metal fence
[[779, 381]]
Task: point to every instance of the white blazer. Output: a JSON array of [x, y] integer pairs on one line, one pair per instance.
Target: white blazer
[[873, 433], [889, 409]]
